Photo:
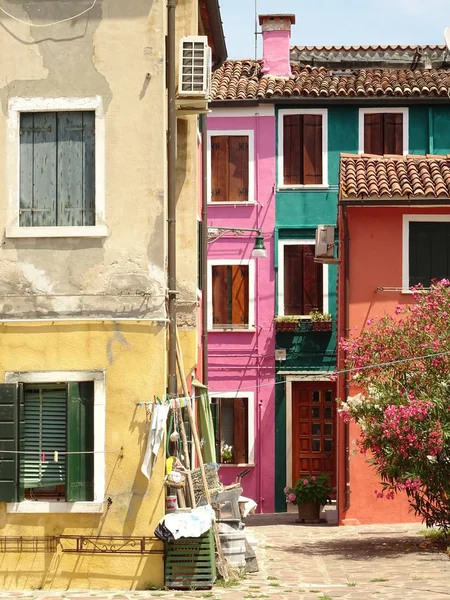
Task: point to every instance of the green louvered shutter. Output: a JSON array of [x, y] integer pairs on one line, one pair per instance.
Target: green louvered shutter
[[80, 439], [44, 431], [10, 416]]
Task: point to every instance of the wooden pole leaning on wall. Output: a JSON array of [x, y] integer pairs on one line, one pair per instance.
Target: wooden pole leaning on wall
[[222, 565]]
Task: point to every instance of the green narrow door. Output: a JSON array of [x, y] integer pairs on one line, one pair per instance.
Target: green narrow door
[[80, 441], [10, 415]]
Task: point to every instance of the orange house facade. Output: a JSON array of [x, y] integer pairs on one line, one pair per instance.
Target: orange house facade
[[394, 232]]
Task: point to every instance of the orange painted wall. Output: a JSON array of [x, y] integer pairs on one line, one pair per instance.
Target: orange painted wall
[[375, 260]]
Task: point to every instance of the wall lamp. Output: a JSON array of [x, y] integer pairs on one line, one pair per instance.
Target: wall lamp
[[259, 250]]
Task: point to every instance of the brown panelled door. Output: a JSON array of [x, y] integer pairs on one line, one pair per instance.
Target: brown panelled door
[[313, 430]]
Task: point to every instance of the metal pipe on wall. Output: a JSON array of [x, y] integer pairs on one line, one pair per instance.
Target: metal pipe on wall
[[171, 199], [346, 332]]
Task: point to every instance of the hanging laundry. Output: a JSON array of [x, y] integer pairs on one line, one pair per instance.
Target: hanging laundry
[[155, 437]]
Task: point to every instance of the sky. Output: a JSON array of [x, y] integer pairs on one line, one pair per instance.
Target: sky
[[338, 22]]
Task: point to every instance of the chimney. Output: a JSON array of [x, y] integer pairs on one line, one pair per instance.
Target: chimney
[[276, 33]]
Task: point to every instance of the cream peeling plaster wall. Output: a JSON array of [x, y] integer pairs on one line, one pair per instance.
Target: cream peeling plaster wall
[[115, 52]]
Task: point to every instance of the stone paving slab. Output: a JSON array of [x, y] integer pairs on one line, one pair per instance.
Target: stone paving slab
[[300, 562]]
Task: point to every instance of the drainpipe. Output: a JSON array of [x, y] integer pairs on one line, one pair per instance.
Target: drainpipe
[[346, 332], [171, 199], [204, 265]]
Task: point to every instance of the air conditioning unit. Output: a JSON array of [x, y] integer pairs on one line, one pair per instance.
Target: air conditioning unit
[[324, 241], [194, 77]]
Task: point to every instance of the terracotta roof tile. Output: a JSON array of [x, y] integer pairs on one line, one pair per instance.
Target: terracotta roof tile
[[367, 176], [243, 80]]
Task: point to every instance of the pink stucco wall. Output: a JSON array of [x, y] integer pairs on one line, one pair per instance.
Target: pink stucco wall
[[244, 360]]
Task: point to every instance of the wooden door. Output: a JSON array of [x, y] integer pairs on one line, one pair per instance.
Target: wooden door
[[313, 430]]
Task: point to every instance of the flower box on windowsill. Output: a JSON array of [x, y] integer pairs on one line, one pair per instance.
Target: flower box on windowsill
[[286, 325], [322, 326]]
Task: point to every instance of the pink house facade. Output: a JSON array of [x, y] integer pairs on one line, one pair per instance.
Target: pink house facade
[[241, 296]]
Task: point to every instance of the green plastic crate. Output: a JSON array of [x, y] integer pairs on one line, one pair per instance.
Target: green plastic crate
[[191, 563]]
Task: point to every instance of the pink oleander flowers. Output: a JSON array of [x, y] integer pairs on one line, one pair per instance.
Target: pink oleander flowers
[[400, 369]]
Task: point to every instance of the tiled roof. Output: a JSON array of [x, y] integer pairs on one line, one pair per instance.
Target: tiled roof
[[242, 80], [366, 177], [375, 47]]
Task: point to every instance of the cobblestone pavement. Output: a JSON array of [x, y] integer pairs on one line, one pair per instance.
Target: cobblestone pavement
[[298, 562]]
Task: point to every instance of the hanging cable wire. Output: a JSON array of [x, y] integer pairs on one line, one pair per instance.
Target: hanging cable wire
[[48, 24]]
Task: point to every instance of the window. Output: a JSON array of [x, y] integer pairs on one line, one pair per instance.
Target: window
[[384, 131], [232, 417], [230, 296], [301, 280], [56, 165], [428, 254], [39, 418], [57, 168], [231, 157], [303, 160]]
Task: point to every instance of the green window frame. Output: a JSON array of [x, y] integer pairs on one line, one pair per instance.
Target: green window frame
[[35, 421], [57, 168]]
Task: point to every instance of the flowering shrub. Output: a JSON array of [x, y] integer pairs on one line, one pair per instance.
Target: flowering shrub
[[309, 489], [403, 408], [226, 453]]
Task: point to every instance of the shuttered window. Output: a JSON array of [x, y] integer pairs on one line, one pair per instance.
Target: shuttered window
[[429, 252], [303, 280], [229, 168], [302, 149], [383, 133], [230, 417], [57, 168], [230, 296], [35, 421]]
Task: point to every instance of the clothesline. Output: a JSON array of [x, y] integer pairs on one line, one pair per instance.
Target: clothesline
[[181, 402]]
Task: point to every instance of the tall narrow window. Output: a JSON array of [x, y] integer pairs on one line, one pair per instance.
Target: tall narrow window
[[383, 133], [302, 149], [57, 168], [230, 416], [229, 168], [303, 280], [230, 296]]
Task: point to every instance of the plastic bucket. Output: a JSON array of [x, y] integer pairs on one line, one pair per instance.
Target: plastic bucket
[[233, 546]]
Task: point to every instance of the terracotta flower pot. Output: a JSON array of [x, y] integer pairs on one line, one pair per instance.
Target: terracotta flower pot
[[309, 512]]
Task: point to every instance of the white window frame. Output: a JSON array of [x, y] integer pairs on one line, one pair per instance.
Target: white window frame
[[251, 294], [407, 219], [373, 111], [99, 379], [280, 160], [250, 424], [27, 105], [251, 165], [325, 281]]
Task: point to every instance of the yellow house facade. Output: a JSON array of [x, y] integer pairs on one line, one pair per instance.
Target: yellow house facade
[[83, 284]]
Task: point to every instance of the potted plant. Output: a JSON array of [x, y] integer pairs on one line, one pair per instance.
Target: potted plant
[[286, 323], [226, 454], [321, 321], [309, 493]]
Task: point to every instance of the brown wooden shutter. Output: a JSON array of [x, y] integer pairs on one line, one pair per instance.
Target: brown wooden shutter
[[238, 168], [312, 281], [219, 295], [312, 149], [293, 280], [373, 133], [219, 168], [292, 149], [393, 133], [239, 295], [240, 430]]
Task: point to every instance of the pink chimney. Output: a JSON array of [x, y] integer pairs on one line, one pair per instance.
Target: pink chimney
[[276, 33]]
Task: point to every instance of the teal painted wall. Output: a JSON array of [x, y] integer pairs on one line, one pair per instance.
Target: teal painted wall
[[297, 215]]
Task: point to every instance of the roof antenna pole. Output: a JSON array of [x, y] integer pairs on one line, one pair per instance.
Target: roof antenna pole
[[256, 29]]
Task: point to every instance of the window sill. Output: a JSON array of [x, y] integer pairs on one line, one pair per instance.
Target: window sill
[[95, 231], [236, 465], [37, 507], [231, 203], [322, 186], [231, 330]]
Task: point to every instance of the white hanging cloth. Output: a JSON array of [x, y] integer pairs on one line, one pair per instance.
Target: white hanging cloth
[[155, 437]]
